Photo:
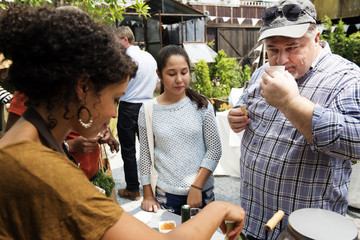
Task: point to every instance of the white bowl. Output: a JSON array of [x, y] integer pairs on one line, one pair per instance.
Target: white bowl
[[168, 223]]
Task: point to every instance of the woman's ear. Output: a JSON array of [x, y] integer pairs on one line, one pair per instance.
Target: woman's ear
[[82, 86], [159, 74]]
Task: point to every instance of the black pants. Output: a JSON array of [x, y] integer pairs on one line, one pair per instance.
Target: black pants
[[127, 127]]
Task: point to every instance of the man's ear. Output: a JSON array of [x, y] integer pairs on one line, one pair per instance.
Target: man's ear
[[317, 37], [82, 86]]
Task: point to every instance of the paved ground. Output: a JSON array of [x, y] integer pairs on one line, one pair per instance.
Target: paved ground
[[226, 189]]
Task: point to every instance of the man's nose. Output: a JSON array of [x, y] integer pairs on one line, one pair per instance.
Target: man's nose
[[282, 58]]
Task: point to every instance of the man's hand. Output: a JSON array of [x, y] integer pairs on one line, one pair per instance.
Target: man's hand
[[279, 90], [107, 137], [237, 120]]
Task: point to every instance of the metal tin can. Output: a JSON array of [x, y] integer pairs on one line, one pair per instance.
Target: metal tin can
[[185, 213]]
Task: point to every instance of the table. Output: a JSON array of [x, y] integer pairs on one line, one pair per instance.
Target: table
[[229, 163], [152, 219]]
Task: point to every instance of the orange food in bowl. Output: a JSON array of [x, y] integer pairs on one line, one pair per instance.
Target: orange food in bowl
[[167, 226]]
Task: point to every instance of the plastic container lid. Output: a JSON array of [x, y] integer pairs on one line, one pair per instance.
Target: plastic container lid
[[320, 224]]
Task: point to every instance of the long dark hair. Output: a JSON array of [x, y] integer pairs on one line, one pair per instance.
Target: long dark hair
[[163, 56]]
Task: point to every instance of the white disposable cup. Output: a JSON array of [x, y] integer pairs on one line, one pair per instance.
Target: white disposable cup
[[280, 69]]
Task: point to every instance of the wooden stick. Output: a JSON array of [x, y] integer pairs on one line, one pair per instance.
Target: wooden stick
[[276, 218]]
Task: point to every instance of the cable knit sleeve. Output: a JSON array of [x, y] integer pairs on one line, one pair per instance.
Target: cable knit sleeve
[[145, 158], [212, 140]]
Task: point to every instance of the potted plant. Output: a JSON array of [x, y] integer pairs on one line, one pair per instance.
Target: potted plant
[[217, 80]]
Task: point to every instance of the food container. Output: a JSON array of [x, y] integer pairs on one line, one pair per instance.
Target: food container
[[314, 223], [166, 226]]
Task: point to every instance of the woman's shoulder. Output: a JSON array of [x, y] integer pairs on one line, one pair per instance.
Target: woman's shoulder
[[33, 156]]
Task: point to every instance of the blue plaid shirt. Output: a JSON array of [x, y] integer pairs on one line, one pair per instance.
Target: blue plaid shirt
[[280, 169]]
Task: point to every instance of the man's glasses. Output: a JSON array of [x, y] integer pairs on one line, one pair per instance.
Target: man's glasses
[[291, 12]]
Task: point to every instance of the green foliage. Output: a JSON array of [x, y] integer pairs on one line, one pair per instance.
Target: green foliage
[[227, 70], [353, 48], [141, 8], [211, 44], [225, 74], [3, 6], [245, 75], [35, 3], [108, 11], [218, 89], [341, 44], [104, 181], [202, 83]]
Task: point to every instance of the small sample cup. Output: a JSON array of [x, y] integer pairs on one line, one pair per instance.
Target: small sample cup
[[280, 69]]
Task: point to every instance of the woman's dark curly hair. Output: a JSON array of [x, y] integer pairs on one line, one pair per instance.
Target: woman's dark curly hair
[[52, 48]]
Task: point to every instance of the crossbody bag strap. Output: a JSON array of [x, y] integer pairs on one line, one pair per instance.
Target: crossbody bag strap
[[148, 109], [32, 116]]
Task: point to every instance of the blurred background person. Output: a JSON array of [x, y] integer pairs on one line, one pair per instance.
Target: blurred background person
[[140, 89]]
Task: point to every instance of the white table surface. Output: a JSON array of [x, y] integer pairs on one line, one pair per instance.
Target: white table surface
[[152, 219], [229, 163]]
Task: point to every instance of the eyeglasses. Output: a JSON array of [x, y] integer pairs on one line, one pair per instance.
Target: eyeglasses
[[291, 12]]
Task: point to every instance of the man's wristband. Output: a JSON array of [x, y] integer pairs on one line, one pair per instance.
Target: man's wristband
[[196, 187]]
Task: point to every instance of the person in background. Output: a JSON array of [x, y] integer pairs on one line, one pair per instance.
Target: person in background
[[5, 96], [303, 126], [4, 67], [187, 144], [140, 89], [86, 151], [73, 72]]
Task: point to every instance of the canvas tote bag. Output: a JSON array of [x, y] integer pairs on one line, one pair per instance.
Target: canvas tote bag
[[148, 108]]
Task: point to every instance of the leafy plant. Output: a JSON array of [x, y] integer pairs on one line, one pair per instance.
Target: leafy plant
[[202, 83], [108, 11], [341, 44], [225, 74], [211, 44], [245, 75], [227, 70], [141, 8], [104, 181]]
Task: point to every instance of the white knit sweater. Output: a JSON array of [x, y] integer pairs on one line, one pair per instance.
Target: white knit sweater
[[185, 140]]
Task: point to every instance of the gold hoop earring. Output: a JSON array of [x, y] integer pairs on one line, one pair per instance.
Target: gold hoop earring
[[88, 124]]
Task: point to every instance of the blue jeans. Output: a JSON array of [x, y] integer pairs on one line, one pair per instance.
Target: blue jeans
[[127, 127], [173, 203]]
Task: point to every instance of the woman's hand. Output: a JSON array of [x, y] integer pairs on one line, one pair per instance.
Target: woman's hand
[[82, 145], [194, 198], [149, 204], [233, 213]]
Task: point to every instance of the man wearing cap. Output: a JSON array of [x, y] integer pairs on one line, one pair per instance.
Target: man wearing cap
[[302, 127]]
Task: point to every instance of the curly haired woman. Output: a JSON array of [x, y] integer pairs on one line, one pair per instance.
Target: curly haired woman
[[73, 72]]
